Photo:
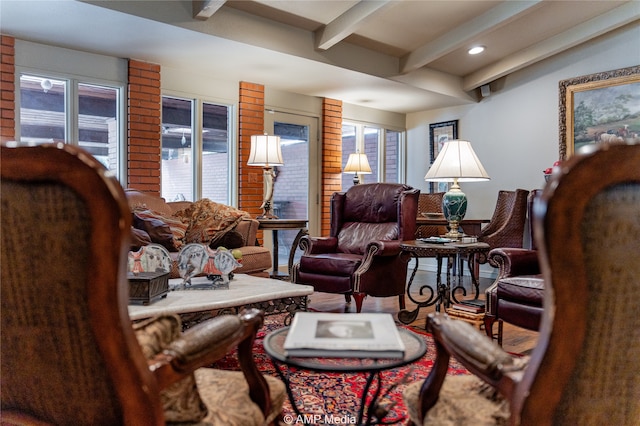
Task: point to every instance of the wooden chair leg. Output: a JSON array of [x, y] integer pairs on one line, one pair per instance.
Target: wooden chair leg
[[401, 301], [488, 325], [359, 298]]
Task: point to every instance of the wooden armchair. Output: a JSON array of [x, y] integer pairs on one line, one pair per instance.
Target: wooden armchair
[[70, 354], [584, 368], [517, 294], [362, 256], [506, 228], [430, 202]]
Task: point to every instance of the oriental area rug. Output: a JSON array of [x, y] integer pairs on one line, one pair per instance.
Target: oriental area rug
[[328, 395]]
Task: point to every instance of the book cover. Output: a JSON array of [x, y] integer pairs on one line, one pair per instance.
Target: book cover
[[473, 302], [338, 335], [468, 308]]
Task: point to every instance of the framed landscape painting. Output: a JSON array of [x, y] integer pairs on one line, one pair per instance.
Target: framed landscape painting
[[439, 133], [601, 107]]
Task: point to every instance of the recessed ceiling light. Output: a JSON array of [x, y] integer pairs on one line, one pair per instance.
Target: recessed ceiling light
[[476, 49]]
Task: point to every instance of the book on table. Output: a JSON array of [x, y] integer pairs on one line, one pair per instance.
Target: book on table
[[467, 308], [473, 302], [339, 335]]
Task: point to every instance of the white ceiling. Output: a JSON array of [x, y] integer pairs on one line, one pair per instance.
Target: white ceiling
[[397, 55]]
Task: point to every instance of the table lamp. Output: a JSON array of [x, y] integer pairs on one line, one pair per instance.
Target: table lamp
[[357, 164], [456, 162], [266, 152]]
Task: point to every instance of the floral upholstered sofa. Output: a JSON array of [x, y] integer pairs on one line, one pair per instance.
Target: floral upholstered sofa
[[175, 224]]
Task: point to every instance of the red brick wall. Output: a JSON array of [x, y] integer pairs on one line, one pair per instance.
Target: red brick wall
[[7, 89], [144, 112], [251, 122], [331, 158]]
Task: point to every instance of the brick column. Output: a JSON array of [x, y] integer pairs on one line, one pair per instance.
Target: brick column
[[331, 158], [144, 112], [7, 89], [251, 122]]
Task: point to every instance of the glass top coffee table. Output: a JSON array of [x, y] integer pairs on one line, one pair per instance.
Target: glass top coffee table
[[415, 348]]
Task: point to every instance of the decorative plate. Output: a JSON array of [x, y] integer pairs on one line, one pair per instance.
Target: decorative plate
[[191, 261], [150, 258]]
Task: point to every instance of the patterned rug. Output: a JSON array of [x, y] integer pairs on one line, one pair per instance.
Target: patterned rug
[[335, 397]]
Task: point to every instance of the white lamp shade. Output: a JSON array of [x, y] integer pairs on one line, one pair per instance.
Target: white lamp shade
[[357, 163], [456, 161], [265, 151]]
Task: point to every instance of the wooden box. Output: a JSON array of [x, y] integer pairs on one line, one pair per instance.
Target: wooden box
[[144, 287]]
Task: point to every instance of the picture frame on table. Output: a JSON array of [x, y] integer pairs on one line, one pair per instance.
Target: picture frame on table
[[439, 133], [600, 107]]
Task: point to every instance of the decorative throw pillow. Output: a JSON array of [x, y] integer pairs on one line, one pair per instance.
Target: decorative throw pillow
[[181, 401], [177, 226], [158, 230], [139, 238], [231, 239], [207, 218]]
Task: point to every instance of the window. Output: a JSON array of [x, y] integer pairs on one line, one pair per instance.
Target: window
[[80, 113], [195, 150], [382, 148]]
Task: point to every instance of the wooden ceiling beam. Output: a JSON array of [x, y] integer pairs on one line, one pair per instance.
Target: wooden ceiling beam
[[463, 34], [616, 18], [204, 9], [346, 24]]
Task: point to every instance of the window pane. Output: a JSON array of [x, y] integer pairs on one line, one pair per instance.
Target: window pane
[[348, 147], [371, 140], [42, 109], [392, 148], [215, 153], [291, 185], [98, 127], [177, 176]]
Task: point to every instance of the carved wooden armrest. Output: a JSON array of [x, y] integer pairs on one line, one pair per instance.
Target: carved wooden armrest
[[473, 349], [208, 342], [479, 354]]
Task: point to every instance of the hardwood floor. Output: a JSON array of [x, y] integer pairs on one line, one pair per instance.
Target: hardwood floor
[[515, 339]]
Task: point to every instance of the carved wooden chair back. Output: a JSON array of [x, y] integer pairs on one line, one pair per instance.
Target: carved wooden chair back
[[430, 202]]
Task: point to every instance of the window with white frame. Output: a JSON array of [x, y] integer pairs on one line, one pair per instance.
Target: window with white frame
[[382, 148], [83, 113], [195, 150]]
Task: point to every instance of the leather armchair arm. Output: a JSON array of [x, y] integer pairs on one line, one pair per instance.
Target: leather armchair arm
[[377, 248], [384, 248], [514, 261], [316, 245], [479, 354]]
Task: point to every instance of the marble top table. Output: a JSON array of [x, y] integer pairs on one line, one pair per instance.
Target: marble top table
[[272, 296]]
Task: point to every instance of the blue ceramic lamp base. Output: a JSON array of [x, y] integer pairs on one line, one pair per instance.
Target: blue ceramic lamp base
[[454, 207]]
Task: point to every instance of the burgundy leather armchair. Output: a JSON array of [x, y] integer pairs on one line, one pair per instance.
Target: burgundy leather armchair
[[516, 296], [362, 256]]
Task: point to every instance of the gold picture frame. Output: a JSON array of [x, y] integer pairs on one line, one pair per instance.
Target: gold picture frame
[[601, 107]]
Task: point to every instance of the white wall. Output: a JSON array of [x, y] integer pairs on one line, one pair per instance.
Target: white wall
[[514, 131]]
